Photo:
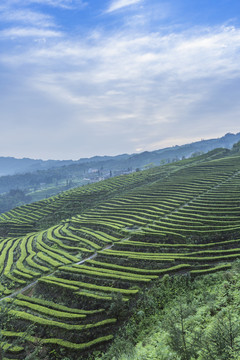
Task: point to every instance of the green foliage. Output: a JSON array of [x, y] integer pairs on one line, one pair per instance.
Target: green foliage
[[118, 307], [16, 346], [184, 320], [56, 341], [108, 274], [54, 306], [46, 322], [46, 311], [12, 199]]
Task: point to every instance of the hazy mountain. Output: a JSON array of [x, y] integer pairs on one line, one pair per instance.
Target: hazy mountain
[[54, 176], [11, 165]]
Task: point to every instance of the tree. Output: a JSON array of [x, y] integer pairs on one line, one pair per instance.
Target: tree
[[222, 337], [184, 337], [118, 307]]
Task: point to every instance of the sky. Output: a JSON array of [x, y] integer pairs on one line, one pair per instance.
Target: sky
[[80, 78]]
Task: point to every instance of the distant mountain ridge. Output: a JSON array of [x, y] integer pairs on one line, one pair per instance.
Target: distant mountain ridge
[[19, 189], [178, 152], [11, 165]]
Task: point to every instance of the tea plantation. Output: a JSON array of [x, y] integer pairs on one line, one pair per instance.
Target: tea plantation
[[72, 266]]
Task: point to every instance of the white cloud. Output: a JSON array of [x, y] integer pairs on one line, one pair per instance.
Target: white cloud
[[131, 70], [119, 4], [135, 58], [66, 4], [28, 17], [23, 19], [135, 88], [29, 32]]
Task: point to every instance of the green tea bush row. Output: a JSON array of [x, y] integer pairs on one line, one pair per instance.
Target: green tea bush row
[[47, 311], [47, 259], [4, 254], [60, 255], [55, 306], [11, 348], [55, 341], [210, 270], [46, 322], [55, 230], [110, 274], [52, 282], [81, 284], [22, 274], [33, 264], [70, 236], [9, 262], [94, 234], [91, 295], [125, 268]]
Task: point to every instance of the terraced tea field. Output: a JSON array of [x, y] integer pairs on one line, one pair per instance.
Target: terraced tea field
[[67, 262]]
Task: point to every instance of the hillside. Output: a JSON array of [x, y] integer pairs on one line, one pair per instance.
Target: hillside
[[36, 179], [73, 266]]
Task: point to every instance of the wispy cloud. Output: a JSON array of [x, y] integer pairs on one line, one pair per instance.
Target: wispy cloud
[[133, 86], [65, 4], [124, 66], [23, 21], [119, 4], [27, 17], [14, 33]]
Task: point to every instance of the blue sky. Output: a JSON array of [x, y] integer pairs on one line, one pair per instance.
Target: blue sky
[[82, 77]]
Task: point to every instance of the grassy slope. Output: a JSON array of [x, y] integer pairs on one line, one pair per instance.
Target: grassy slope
[[182, 217]]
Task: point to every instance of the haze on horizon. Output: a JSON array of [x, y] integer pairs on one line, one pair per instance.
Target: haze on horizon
[[83, 77]]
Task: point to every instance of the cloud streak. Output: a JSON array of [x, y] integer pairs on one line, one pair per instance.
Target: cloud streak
[[119, 4], [65, 4], [140, 57], [27, 17], [14, 33]]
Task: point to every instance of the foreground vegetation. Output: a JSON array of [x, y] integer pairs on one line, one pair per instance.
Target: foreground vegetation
[[183, 319], [75, 266]]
